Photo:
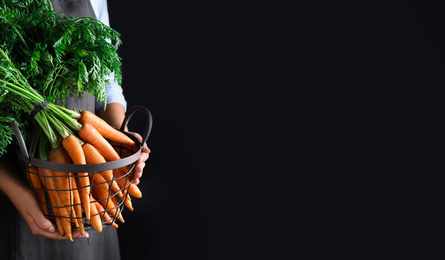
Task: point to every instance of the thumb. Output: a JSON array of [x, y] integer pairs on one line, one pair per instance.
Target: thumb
[[42, 222]]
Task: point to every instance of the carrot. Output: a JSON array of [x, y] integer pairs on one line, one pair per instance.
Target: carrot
[[104, 128], [100, 187], [123, 181], [127, 201], [117, 203], [120, 217], [104, 215], [124, 150], [59, 155], [92, 156], [90, 135], [95, 218], [38, 188], [56, 213], [75, 151], [101, 192], [56, 201], [52, 200], [67, 227], [77, 206], [74, 219]]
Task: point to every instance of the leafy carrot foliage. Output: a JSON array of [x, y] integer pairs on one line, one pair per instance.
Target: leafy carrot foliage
[[59, 54], [50, 56]]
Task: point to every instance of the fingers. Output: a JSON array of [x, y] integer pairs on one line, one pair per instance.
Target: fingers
[[50, 235], [77, 235], [25, 202], [145, 154], [140, 165], [138, 170], [35, 219], [56, 235], [145, 149], [44, 223], [41, 226]]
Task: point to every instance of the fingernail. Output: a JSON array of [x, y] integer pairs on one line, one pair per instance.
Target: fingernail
[[52, 229]]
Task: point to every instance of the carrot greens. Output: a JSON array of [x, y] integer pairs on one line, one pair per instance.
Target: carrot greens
[[46, 56]]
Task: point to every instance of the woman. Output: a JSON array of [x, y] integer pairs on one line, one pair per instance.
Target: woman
[[25, 232]]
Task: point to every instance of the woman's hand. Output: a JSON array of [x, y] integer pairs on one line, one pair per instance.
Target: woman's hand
[[27, 205], [140, 164], [114, 115]]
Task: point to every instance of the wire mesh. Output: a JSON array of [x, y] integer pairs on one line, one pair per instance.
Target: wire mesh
[[111, 206]]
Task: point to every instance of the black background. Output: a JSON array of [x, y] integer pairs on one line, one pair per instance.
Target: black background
[[198, 68], [257, 109], [175, 62]]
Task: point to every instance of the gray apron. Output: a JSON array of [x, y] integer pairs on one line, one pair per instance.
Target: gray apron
[[16, 239]]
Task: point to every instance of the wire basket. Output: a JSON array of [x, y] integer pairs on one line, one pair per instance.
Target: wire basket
[[113, 204]]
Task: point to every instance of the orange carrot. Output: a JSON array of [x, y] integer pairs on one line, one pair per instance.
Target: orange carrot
[[104, 128], [59, 155], [75, 151], [124, 150], [74, 219], [100, 187], [56, 213], [127, 201], [95, 218], [52, 201], [38, 188], [92, 156], [101, 192], [117, 203], [56, 201], [104, 215], [89, 134], [77, 206], [123, 181]]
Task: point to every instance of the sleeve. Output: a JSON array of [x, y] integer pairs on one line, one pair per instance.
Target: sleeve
[[114, 91]]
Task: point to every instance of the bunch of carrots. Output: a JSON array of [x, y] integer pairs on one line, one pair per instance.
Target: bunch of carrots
[[45, 60], [95, 196], [67, 137]]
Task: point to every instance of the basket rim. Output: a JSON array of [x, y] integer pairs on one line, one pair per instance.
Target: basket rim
[[76, 168]]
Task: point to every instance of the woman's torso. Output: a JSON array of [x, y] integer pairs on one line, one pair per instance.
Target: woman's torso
[[16, 240]]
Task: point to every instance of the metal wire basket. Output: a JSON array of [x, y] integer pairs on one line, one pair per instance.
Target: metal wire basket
[[116, 198]]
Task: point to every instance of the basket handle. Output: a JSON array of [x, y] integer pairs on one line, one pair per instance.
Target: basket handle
[[149, 121], [20, 140]]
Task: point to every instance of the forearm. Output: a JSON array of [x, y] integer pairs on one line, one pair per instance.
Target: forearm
[[10, 184], [114, 114], [23, 199]]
